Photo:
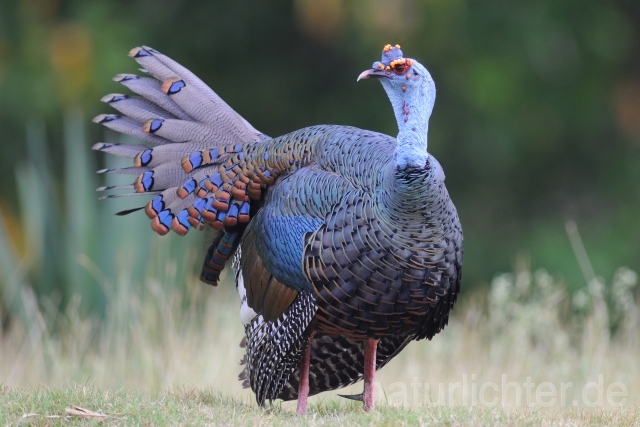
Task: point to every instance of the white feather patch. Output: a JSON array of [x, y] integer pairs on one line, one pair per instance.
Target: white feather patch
[[246, 313]]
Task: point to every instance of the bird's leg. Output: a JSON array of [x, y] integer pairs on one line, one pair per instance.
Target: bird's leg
[[370, 347], [303, 388]]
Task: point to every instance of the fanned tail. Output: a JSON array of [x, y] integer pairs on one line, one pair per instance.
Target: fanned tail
[[178, 117]]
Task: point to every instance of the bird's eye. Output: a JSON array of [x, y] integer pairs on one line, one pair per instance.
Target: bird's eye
[[400, 66]]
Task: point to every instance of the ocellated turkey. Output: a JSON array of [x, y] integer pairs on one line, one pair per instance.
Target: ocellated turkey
[[345, 243]]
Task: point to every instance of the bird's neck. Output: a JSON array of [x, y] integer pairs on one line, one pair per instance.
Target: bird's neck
[[412, 111], [412, 190]]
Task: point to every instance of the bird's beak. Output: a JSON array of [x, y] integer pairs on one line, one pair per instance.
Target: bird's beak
[[372, 73]]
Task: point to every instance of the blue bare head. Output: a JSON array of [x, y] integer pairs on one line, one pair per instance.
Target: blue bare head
[[412, 93]]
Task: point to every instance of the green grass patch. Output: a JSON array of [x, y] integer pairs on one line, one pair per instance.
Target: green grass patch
[[57, 406]]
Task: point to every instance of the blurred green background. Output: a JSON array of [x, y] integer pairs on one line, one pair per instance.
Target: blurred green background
[[537, 120]]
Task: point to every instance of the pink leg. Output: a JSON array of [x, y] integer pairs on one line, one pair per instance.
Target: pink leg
[[369, 373], [303, 389]]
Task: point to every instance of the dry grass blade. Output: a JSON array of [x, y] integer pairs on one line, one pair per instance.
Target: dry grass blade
[[29, 415], [82, 412]]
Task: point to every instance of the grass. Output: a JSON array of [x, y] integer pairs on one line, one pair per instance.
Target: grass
[[98, 313], [46, 406]]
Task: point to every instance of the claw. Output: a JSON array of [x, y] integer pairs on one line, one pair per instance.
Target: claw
[[358, 397]]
